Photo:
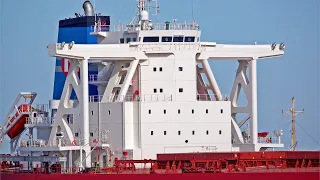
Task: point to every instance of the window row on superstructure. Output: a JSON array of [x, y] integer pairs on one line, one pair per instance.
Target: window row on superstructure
[[77, 134], [169, 39], [160, 39], [179, 133], [127, 40], [192, 111], [164, 133], [161, 90], [160, 69]]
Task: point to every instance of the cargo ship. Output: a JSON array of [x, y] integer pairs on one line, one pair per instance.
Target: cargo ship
[[140, 101]]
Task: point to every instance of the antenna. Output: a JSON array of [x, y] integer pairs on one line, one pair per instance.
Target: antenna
[[94, 11], [192, 8], [146, 5], [293, 114]]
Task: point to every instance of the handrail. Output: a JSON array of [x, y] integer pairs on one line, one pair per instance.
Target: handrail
[[130, 98], [212, 97], [40, 120], [183, 46], [35, 143], [269, 140], [153, 98], [133, 27]]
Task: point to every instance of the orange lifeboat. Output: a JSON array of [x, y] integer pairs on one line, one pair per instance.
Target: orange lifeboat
[[18, 121], [263, 134]]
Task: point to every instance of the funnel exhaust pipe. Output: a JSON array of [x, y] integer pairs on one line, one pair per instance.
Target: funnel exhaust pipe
[[88, 8]]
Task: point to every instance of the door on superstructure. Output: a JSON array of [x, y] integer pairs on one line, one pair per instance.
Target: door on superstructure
[[104, 161]]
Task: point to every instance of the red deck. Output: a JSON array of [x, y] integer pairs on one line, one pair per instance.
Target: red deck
[[246, 165], [221, 176], [241, 155]]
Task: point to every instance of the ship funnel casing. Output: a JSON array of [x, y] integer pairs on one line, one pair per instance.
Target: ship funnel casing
[[88, 8], [144, 15]]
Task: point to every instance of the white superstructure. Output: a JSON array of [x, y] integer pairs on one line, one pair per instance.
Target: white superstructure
[[157, 94]]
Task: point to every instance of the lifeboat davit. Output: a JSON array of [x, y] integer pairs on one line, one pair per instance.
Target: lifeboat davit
[[17, 122]]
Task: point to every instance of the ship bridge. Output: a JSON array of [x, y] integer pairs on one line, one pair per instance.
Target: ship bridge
[[159, 32]]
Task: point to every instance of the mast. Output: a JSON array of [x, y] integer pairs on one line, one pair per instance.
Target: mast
[[293, 114], [143, 7], [293, 129]]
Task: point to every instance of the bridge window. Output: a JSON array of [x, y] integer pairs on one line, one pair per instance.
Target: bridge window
[[151, 39], [70, 118], [166, 39], [189, 39], [121, 41], [134, 39], [178, 39], [128, 40], [180, 68], [76, 134]]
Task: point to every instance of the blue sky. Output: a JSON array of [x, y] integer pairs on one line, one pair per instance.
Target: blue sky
[[28, 26]]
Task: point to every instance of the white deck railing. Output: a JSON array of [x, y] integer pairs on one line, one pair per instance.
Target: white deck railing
[[265, 140], [134, 27], [39, 120], [153, 98], [34, 143], [269, 140], [183, 46], [128, 98], [212, 97]]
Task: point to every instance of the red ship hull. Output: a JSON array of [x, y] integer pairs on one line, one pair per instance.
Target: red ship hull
[[228, 165], [224, 176]]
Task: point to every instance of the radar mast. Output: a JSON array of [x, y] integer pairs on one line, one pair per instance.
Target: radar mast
[[145, 8]]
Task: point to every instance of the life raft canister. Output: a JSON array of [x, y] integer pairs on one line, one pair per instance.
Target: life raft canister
[[268, 140], [74, 143]]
